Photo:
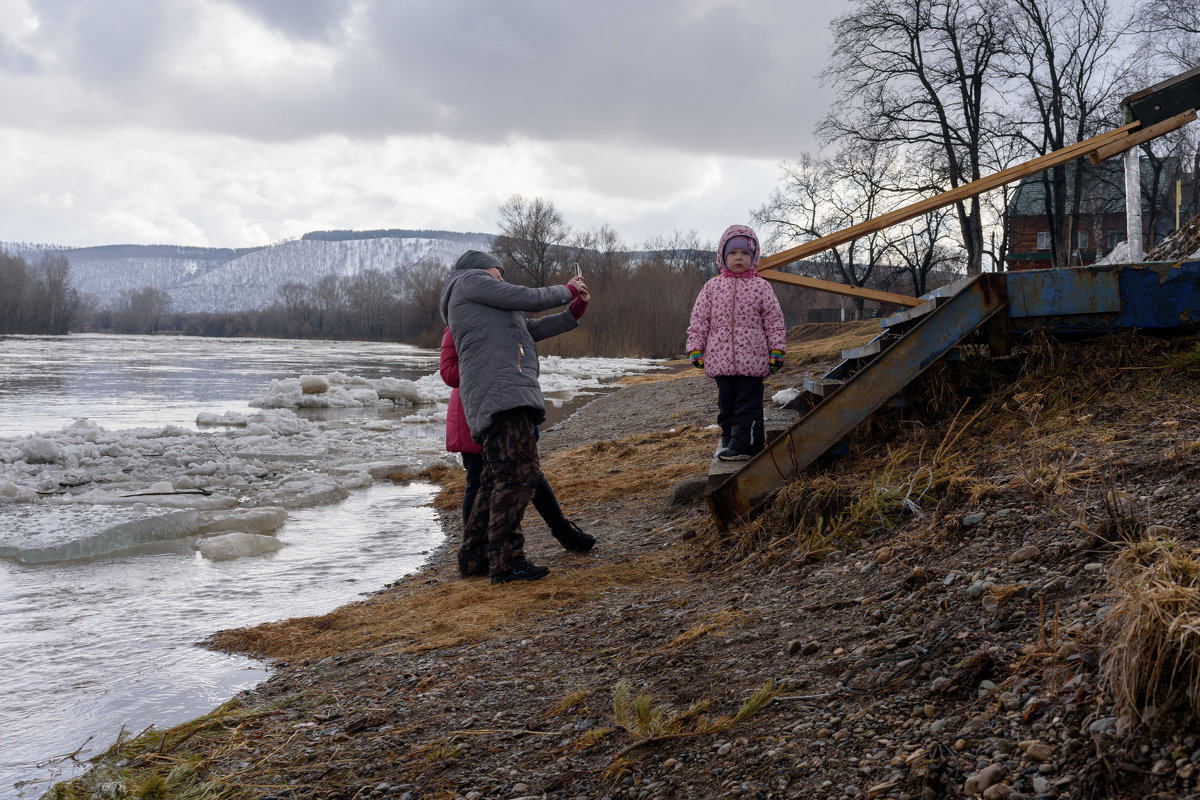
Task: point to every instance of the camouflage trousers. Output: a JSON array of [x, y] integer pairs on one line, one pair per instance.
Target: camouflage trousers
[[492, 539]]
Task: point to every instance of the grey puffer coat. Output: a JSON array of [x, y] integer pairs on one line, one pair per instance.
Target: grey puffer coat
[[497, 360]]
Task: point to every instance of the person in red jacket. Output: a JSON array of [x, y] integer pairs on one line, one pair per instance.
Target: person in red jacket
[[458, 440]]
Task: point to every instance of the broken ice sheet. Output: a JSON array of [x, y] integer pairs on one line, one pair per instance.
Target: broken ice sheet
[[40, 534]]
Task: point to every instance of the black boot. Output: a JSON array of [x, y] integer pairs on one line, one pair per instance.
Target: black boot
[[572, 538]]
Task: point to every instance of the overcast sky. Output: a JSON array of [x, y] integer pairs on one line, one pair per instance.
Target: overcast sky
[[245, 122]]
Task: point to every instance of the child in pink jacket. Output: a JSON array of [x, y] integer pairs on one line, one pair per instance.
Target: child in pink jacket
[[737, 335]]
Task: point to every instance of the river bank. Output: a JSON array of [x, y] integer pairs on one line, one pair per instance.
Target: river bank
[[934, 616]]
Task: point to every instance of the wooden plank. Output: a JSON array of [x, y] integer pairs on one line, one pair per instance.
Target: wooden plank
[[1069, 153], [840, 288], [1143, 135]]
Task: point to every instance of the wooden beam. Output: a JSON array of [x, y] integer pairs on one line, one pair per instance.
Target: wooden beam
[[1068, 153], [843, 288], [1144, 135]]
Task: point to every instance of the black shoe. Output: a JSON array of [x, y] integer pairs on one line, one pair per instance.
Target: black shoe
[[521, 572], [729, 454], [573, 538]]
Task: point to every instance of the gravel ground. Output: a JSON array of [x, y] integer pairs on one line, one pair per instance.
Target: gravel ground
[[955, 653]]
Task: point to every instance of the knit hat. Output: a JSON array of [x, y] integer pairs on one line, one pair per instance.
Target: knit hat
[[474, 259], [738, 243]]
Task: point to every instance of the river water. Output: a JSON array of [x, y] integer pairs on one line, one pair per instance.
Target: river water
[[96, 645]]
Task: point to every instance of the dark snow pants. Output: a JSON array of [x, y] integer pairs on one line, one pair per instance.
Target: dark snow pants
[[740, 412]]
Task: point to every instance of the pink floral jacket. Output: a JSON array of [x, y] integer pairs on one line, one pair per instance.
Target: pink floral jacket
[[736, 321]]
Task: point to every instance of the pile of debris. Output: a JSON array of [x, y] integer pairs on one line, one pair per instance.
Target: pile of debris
[[1183, 245]]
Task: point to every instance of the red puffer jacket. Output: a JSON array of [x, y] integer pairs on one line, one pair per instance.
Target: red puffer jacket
[[458, 433]]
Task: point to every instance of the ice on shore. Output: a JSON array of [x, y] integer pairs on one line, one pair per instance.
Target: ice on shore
[[560, 378], [34, 534], [266, 519], [85, 491], [236, 544], [338, 390]]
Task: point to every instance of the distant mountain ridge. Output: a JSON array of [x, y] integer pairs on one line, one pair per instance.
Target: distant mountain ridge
[[215, 279]]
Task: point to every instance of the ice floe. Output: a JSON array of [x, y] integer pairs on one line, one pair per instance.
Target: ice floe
[[86, 491]]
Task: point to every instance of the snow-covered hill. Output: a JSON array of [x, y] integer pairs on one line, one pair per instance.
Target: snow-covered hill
[[221, 280]]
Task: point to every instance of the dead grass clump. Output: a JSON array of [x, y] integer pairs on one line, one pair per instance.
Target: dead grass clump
[[429, 616], [1152, 634], [649, 723], [157, 764], [823, 511]]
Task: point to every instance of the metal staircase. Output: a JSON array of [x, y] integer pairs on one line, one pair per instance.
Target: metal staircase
[[1002, 306]]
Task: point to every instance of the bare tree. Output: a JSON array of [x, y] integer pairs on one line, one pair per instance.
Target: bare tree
[[58, 301], [139, 310], [295, 300], [1064, 53], [329, 301], [370, 295], [1172, 33], [922, 73], [420, 288], [14, 279], [921, 246], [682, 252], [600, 254], [819, 196], [531, 231]]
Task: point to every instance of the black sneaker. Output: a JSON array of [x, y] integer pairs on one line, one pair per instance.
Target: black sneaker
[[521, 572], [729, 454], [573, 538]]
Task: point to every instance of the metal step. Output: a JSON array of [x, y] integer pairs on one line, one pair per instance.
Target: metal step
[[823, 387], [939, 330], [871, 348]]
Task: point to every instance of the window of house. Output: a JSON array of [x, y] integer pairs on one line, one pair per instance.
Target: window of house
[[1114, 238], [1081, 240], [1043, 240]]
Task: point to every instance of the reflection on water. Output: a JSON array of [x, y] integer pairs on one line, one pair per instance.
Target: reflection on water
[[135, 381], [89, 648]]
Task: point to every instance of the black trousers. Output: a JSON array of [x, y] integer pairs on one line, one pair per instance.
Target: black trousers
[[544, 499], [740, 412]]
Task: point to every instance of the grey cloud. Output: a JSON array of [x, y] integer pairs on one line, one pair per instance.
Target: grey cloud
[[313, 20], [111, 45], [676, 74], [16, 61]]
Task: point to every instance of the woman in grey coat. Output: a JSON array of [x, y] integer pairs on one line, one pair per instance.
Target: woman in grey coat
[[498, 370]]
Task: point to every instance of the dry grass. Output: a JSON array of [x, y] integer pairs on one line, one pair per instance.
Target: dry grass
[[603, 473], [1152, 658], [649, 723], [973, 431], [432, 615], [677, 372], [824, 341], [163, 763]]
